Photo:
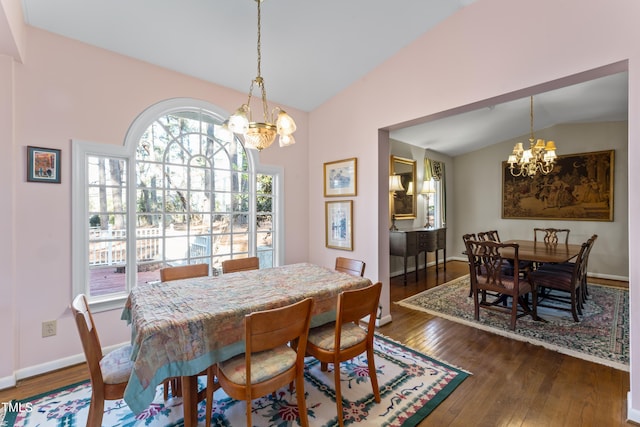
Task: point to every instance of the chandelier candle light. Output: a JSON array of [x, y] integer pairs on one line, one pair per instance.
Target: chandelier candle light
[[260, 135], [540, 157]]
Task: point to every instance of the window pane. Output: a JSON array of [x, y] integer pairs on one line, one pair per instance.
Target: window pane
[[107, 280], [107, 213], [194, 188]]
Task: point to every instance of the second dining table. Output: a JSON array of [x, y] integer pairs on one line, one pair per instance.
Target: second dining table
[[540, 252], [180, 328]]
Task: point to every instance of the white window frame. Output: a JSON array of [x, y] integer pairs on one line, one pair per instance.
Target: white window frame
[[127, 152]]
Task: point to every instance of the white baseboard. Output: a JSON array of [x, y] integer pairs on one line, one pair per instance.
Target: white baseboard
[[7, 382], [43, 368], [383, 320], [420, 267], [633, 415]]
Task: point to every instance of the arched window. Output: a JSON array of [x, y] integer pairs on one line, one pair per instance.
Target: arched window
[[186, 190]]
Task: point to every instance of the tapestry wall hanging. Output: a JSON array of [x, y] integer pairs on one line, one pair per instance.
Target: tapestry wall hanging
[[579, 188]]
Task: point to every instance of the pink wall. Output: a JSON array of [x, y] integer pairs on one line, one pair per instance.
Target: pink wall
[[68, 90], [489, 48], [7, 215]]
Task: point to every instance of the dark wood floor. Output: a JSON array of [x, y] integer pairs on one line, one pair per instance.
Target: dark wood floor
[[513, 383]]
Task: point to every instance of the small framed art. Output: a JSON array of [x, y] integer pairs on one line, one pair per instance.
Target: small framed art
[[43, 165], [340, 178], [339, 224]]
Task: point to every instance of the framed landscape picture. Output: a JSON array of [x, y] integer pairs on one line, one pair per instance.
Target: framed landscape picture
[[580, 187], [43, 165], [339, 224], [340, 178]]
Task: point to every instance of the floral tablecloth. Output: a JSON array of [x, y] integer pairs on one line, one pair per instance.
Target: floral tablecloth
[[180, 328]]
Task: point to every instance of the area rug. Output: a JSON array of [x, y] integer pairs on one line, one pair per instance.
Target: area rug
[[411, 386], [601, 336]]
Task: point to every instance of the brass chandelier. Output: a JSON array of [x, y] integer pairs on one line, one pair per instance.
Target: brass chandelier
[[539, 157], [260, 135]]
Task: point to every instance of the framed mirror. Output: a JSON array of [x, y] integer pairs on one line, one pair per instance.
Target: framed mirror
[[404, 200]]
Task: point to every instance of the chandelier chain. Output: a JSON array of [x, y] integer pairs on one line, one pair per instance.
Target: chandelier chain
[[531, 137]]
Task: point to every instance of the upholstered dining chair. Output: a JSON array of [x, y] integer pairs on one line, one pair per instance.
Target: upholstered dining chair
[[168, 274], [109, 373], [352, 266], [183, 272], [240, 264], [565, 278], [344, 339], [268, 362], [492, 276], [569, 266], [551, 236]]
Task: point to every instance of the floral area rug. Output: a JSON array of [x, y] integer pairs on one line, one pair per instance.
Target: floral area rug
[[411, 386], [601, 336]]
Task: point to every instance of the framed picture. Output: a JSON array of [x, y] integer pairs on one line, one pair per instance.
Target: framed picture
[[339, 224], [340, 178], [580, 187], [43, 165]]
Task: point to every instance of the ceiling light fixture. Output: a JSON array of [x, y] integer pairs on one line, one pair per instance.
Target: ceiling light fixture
[[260, 135], [540, 157]]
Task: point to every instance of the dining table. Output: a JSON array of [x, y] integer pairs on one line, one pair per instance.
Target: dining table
[[541, 252], [182, 327]]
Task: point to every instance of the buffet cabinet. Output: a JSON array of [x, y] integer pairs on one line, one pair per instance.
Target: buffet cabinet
[[406, 243]]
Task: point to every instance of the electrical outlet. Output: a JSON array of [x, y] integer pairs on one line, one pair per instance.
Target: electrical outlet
[[49, 328]]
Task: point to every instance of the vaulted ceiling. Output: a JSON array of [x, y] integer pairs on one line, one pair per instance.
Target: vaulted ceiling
[[310, 52]]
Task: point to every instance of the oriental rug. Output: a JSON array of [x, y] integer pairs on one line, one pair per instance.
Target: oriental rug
[[601, 336], [411, 386]]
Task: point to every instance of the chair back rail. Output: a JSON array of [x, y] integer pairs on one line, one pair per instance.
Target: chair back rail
[[240, 264], [183, 272], [351, 266], [551, 236]]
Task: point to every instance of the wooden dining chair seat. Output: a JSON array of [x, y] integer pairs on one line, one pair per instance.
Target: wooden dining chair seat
[[183, 272], [109, 374], [351, 266], [269, 362], [240, 264], [344, 339], [493, 277]]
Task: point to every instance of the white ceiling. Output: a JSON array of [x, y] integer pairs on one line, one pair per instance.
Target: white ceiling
[[311, 50]]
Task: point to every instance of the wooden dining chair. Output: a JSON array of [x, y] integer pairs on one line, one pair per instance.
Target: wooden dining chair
[[352, 266], [183, 272], [493, 277], [344, 339], [240, 264], [109, 373], [550, 277], [551, 236], [473, 261], [168, 274], [269, 362], [490, 236]]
